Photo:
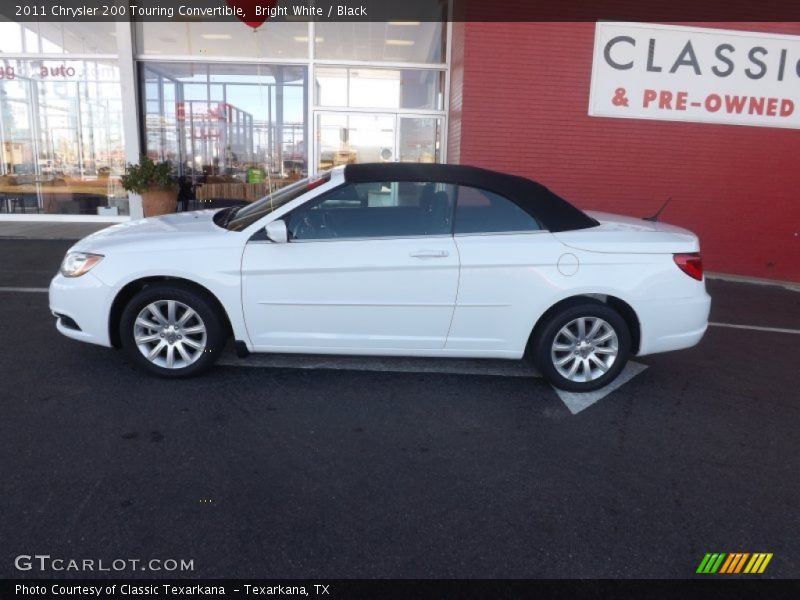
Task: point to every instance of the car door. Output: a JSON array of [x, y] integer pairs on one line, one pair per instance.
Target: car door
[[368, 268], [509, 273]]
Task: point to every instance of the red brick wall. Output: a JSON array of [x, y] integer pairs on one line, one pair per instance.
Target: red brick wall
[[456, 92], [519, 101]]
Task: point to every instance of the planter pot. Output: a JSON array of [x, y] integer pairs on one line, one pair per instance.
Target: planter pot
[[159, 202]]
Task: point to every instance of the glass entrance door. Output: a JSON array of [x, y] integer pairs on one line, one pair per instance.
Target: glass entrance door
[[360, 137], [419, 139], [344, 138]]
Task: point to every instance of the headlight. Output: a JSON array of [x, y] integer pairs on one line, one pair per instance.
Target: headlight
[[76, 264]]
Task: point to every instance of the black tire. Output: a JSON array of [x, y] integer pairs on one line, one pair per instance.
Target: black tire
[[545, 356], [209, 318]]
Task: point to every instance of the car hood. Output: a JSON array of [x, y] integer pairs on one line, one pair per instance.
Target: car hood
[[174, 229]]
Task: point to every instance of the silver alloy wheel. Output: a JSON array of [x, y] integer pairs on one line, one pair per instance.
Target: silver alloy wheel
[[170, 334], [584, 349]]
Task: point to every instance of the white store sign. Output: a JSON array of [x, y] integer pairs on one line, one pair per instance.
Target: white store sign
[[675, 73]]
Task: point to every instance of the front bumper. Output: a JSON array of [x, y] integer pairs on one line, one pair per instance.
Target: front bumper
[[86, 301]]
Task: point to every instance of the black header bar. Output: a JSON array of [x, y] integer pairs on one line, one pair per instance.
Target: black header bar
[[256, 12], [402, 589]]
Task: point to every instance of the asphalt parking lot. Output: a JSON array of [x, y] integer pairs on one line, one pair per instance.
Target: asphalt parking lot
[[273, 471]]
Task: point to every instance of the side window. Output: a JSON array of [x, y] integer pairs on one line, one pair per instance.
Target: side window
[[480, 211], [375, 209]]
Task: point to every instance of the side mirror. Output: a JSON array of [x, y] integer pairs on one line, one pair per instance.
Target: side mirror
[[277, 232]]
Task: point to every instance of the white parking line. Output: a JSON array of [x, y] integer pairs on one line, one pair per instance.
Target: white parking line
[[24, 290], [756, 328], [575, 402], [578, 401]]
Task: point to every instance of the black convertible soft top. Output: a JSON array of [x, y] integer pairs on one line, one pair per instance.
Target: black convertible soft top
[[553, 212]]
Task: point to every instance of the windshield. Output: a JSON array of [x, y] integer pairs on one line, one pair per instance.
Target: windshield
[[247, 215]]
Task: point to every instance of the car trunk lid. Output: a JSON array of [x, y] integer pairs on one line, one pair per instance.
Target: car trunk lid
[[621, 234]]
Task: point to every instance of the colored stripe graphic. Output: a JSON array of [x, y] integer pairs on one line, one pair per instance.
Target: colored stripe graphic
[[732, 558], [741, 562], [758, 563], [718, 563], [702, 567], [733, 563], [765, 563], [711, 563]]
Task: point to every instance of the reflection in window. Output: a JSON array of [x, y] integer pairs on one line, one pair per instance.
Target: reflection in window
[[278, 39], [394, 41], [58, 38], [359, 87], [61, 139], [420, 139], [344, 138], [233, 131]]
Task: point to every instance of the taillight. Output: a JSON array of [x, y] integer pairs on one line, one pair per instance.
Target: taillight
[[691, 264]]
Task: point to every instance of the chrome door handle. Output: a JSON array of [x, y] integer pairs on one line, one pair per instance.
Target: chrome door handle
[[429, 253]]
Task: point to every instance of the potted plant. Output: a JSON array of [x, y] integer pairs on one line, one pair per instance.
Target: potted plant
[[156, 184]]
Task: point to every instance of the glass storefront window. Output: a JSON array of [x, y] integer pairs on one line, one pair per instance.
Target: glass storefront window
[[350, 138], [228, 105], [419, 139], [394, 41], [58, 38], [280, 40], [362, 87], [344, 138], [61, 139], [233, 131]]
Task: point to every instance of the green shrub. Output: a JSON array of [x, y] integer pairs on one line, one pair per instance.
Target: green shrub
[[148, 175]]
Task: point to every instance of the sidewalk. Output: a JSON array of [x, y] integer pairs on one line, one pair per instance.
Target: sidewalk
[[48, 230]]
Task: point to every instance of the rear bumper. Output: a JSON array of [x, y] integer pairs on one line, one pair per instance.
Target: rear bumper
[[85, 301], [673, 324]]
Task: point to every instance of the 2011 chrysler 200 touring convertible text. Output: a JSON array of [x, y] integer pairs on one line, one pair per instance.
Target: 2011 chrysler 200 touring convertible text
[[390, 259]]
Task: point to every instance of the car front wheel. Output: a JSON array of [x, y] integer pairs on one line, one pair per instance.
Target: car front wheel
[[583, 348], [171, 330]]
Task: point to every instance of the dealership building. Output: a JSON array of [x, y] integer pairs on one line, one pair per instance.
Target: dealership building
[[616, 117]]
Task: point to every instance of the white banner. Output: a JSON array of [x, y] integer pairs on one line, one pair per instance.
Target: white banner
[[675, 73]]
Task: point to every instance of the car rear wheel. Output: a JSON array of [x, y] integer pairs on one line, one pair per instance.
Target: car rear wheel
[[582, 348], [171, 330]]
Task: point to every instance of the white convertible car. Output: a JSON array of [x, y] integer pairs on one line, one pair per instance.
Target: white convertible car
[[390, 259]]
